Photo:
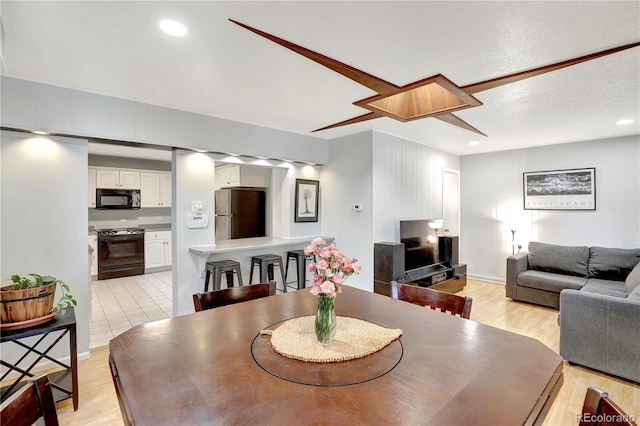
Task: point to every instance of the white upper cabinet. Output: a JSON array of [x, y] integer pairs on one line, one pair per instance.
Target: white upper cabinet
[[155, 189], [165, 189], [228, 176], [236, 175], [118, 179]]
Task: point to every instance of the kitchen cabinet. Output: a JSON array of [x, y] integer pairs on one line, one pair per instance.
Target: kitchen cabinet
[[93, 243], [118, 179], [155, 189], [157, 249], [229, 176], [92, 188]]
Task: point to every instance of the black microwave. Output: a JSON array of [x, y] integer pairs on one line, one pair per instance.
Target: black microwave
[[117, 198]]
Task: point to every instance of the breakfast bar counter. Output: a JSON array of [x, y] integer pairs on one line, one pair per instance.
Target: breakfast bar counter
[[242, 250], [243, 244]]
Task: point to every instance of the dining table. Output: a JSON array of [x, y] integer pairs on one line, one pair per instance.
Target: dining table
[[218, 367]]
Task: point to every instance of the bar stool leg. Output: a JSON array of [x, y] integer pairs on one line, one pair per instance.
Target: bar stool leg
[[302, 267], [206, 281], [284, 280], [217, 279], [229, 275], [286, 270], [239, 274], [251, 272], [266, 275]]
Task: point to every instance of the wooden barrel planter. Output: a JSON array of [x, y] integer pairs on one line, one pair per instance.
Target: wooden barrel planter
[[18, 305]]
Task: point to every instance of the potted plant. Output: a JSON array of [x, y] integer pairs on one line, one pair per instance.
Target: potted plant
[[32, 297]]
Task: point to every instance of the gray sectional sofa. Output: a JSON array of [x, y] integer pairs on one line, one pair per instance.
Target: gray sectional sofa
[[597, 290], [541, 274]]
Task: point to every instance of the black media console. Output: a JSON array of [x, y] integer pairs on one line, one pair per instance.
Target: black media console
[[388, 260]]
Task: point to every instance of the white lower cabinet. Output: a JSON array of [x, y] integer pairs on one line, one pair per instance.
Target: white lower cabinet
[[157, 249], [93, 243]]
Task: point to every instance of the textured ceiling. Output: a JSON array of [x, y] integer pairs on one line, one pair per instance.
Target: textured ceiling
[[223, 70]]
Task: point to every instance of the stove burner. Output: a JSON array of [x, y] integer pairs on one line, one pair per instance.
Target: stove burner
[[120, 231]]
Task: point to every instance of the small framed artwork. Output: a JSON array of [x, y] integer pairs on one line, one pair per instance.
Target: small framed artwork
[[307, 192], [573, 189]]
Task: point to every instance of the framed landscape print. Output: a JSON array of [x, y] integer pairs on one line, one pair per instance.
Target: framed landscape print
[[306, 200], [573, 189]]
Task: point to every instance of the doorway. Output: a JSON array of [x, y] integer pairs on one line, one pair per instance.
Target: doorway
[[451, 201]]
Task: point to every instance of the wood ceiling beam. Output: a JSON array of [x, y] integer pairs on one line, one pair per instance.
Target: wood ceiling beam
[[521, 75]]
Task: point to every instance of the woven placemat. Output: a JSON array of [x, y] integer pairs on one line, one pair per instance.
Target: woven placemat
[[354, 338]]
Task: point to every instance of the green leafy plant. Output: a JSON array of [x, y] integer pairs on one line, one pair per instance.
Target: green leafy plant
[[66, 301]]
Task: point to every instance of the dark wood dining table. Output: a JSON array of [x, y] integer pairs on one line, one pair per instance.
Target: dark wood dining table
[[214, 367]]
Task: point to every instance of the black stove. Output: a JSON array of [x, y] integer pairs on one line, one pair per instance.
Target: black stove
[[120, 252]]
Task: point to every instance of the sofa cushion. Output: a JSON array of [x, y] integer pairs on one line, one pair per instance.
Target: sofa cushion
[[549, 281], [558, 259], [608, 287], [612, 263], [632, 281], [635, 294]]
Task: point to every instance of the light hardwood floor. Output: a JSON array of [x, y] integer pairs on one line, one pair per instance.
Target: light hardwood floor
[[99, 406]]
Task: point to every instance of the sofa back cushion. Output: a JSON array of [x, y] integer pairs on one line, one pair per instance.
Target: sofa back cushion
[[632, 282], [558, 259], [612, 263]]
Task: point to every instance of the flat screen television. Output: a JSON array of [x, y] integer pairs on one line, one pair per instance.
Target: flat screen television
[[420, 244]]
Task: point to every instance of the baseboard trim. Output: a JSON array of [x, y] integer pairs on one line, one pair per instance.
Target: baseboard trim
[[486, 279]]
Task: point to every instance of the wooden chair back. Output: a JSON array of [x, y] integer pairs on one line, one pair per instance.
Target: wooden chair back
[[434, 299], [599, 410], [229, 296], [33, 401]]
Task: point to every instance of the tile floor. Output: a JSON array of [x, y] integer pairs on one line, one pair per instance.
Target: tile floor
[[120, 303]]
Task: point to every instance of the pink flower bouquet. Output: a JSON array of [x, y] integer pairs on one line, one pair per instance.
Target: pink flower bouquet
[[330, 267]]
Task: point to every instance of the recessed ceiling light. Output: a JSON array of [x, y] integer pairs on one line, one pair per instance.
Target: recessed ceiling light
[[623, 122], [173, 28], [474, 143]]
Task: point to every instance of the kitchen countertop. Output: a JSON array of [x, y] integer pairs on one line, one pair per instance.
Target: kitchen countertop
[[146, 227], [243, 244], [155, 227]]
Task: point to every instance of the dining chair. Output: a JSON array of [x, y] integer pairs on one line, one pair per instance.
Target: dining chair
[[434, 299], [229, 296], [31, 402], [598, 410]]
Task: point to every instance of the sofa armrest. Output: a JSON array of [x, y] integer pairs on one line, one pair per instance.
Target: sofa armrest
[[515, 264], [601, 332]]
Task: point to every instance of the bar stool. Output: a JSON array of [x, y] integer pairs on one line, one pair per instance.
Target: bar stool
[[301, 266], [217, 268], [265, 264]]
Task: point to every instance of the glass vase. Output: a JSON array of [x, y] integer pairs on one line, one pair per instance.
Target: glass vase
[[325, 319]]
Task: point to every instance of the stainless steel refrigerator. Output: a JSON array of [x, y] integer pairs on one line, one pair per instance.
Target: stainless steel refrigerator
[[240, 213]]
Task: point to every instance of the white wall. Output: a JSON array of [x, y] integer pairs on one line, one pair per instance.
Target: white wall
[[44, 217], [407, 182], [36, 106], [492, 203], [346, 181], [194, 174]]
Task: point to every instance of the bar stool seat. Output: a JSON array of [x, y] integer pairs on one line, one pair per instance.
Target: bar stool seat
[[301, 266], [266, 263], [219, 267]]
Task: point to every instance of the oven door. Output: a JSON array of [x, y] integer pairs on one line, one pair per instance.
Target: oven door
[[120, 255]]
